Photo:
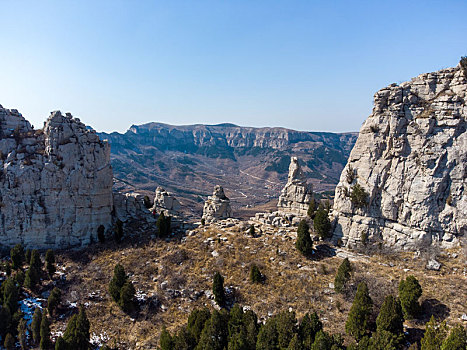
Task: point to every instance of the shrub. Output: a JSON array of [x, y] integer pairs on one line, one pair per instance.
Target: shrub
[[303, 243], [101, 233], [390, 317], [342, 275], [350, 174], [322, 224], [17, 256], [218, 289], [409, 293], [50, 262], [357, 321], [457, 339], [434, 335], [358, 196], [463, 63], [255, 274]]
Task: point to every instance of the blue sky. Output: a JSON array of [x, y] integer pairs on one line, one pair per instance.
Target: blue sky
[[306, 65]]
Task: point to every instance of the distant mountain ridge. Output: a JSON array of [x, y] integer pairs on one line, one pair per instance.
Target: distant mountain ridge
[[251, 163]]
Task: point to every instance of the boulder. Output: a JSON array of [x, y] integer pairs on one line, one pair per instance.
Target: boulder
[[217, 206]]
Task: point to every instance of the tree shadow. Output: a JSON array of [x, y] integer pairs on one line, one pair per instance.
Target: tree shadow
[[433, 307], [322, 251]]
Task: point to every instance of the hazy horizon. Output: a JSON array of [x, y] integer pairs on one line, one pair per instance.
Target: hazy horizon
[[310, 66]]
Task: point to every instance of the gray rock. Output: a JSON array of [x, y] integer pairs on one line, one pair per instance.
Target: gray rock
[[410, 158], [434, 265], [217, 206]]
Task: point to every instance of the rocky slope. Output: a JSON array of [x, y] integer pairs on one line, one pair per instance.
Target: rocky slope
[[410, 158], [250, 163], [55, 183]]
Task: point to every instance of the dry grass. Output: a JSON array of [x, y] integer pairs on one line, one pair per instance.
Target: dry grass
[[292, 281]]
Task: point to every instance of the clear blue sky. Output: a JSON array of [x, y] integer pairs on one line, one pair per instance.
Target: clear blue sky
[[307, 65]]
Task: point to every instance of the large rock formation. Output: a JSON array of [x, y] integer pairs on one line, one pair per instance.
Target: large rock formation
[[165, 202], [55, 183], [217, 206], [411, 160], [297, 193]]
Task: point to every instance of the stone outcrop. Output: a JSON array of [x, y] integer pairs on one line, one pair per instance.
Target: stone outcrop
[[297, 193], [217, 206], [55, 183], [166, 202], [410, 158]]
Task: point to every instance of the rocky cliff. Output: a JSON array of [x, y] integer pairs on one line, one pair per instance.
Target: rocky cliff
[[405, 180], [55, 183], [252, 162]]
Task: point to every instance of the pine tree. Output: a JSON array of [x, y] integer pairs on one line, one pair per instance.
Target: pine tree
[[9, 343], [10, 295], [77, 335], [255, 274], [50, 262], [35, 260], [27, 255], [183, 340], [267, 336], [384, 340], [409, 293], [45, 333], [5, 320], [19, 278], [218, 289], [196, 322], [322, 341], [342, 276], [357, 321], [286, 328], [163, 224], [127, 295], [214, 334], [390, 317], [309, 326], [434, 335], [22, 329], [251, 230], [312, 206], [118, 231], [54, 300], [166, 341], [457, 339], [116, 283], [303, 243], [36, 325], [295, 344], [322, 224], [61, 344], [17, 256], [101, 233], [32, 278]]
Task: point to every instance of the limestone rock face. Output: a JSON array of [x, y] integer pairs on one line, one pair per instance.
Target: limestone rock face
[[297, 193], [166, 202], [411, 159], [217, 206], [55, 183]]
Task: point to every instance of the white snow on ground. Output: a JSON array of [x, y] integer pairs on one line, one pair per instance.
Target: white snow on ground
[[99, 339], [141, 296], [28, 305]]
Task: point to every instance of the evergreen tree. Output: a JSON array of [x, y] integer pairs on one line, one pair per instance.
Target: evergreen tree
[[10, 294], [267, 336], [101, 233], [322, 341], [116, 283], [250, 322], [147, 202], [409, 293], [163, 224], [22, 329], [77, 331], [50, 262], [390, 316], [303, 243], [183, 340], [54, 300], [17, 256], [218, 289], [286, 328], [251, 230], [45, 333], [322, 224], [36, 325], [61, 344], [127, 295], [19, 278], [255, 274], [385, 340], [295, 344], [312, 206], [8, 269], [358, 196], [196, 322], [434, 335], [27, 255], [309, 326], [9, 343], [457, 339], [118, 231], [166, 341], [342, 276], [35, 261], [357, 321], [5, 321], [32, 278], [214, 334]]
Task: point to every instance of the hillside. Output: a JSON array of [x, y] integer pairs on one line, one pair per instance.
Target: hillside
[[251, 163]]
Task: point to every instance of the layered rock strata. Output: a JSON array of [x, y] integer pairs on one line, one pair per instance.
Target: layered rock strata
[[297, 193], [55, 183], [166, 202], [411, 161], [217, 206]]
